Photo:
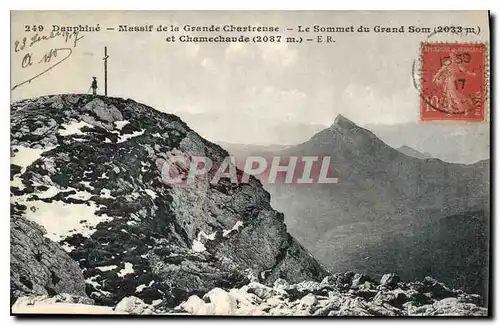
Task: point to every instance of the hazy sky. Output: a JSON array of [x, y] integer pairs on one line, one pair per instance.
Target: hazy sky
[[244, 93]]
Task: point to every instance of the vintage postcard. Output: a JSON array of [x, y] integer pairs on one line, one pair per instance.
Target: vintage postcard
[[250, 163]]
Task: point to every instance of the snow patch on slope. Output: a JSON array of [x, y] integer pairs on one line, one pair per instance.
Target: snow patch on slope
[[236, 227], [25, 156], [91, 281], [62, 219], [151, 193], [106, 268], [126, 137], [198, 245], [68, 248], [143, 286], [49, 193], [87, 185], [106, 193], [120, 124], [81, 195], [129, 269], [207, 236], [73, 128]]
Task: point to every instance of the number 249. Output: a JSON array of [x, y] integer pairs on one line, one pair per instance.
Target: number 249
[[33, 28]]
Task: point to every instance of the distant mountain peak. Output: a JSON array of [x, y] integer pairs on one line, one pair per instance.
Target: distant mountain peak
[[409, 151], [343, 122]]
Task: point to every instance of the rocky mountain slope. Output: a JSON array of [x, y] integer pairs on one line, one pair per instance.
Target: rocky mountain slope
[[87, 170], [390, 211]]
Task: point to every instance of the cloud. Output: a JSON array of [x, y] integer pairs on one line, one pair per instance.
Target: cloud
[[366, 105], [192, 49], [235, 50], [275, 104], [284, 94], [278, 54], [208, 64]]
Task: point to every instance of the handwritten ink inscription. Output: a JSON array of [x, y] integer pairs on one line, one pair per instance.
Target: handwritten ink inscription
[[41, 63]]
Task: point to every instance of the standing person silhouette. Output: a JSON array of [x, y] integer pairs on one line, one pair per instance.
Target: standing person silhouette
[[94, 86]]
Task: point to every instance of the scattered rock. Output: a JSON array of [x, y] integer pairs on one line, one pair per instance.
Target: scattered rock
[[395, 297], [195, 306], [260, 290], [133, 306], [307, 302], [249, 301], [329, 280], [389, 280], [437, 289], [359, 279], [105, 112], [280, 284], [225, 304], [384, 302]]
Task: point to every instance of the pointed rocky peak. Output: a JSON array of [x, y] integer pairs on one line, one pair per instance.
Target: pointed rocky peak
[[345, 135], [343, 123]]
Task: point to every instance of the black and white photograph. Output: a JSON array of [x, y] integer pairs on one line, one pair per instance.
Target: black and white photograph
[[250, 163]]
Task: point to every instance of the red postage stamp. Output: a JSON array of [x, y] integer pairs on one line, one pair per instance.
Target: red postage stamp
[[453, 82]]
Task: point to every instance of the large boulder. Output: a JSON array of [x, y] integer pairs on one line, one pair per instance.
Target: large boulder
[[225, 303], [133, 306], [389, 280], [359, 279], [260, 290], [436, 289]]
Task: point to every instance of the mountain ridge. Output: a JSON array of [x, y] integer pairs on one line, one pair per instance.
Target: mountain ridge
[[409, 151]]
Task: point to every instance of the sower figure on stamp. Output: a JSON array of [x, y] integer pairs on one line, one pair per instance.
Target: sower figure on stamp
[[454, 100], [94, 86]]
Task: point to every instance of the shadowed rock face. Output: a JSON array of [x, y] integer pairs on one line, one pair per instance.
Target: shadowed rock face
[[38, 265], [87, 168]]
